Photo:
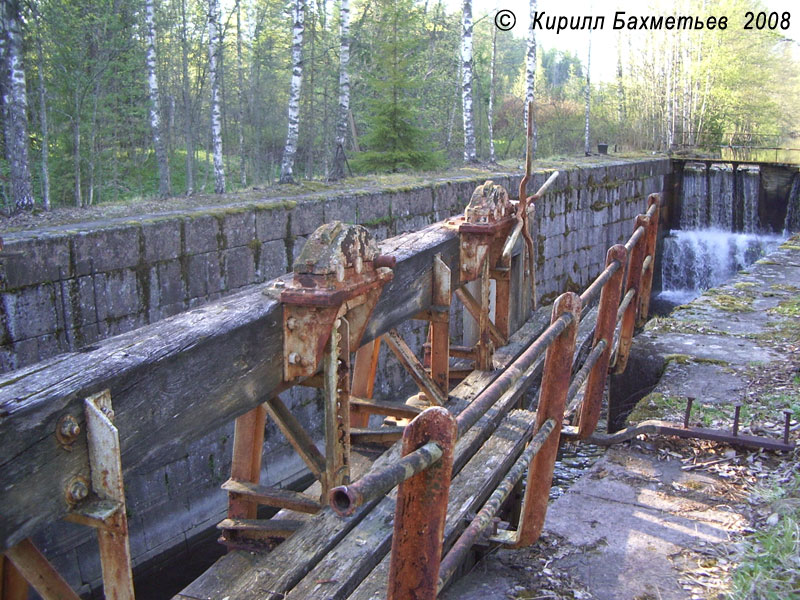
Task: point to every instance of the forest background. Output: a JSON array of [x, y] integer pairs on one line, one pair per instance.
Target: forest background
[[110, 100]]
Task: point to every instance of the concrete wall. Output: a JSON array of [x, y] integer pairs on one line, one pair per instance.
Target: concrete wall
[[71, 286]]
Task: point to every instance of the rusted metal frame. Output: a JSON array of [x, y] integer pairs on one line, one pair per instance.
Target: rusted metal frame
[[377, 407], [575, 400], [604, 330], [716, 435], [596, 287], [297, 436], [37, 570], [258, 495], [632, 282], [345, 499], [512, 373], [651, 238], [485, 345], [502, 300], [473, 306], [638, 233], [485, 517], [364, 368], [414, 367], [336, 365], [441, 299], [421, 510], [552, 398], [248, 446], [13, 585], [384, 436]]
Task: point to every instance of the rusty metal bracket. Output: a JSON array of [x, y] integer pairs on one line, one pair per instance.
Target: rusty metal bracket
[[339, 273]]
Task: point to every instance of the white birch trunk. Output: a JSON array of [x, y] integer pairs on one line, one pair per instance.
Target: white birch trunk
[[490, 113], [187, 104], [240, 78], [15, 102], [337, 166], [44, 126], [470, 154], [293, 131], [530, 78], [586, 148], [620, 90], [155, 107], [216, 78]]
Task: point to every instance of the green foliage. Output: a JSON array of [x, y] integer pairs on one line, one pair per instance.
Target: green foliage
[[394, 140]]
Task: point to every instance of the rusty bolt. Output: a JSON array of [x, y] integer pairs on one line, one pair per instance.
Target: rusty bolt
[[77, 490], [67, 430], [291, 323], [294, 358]]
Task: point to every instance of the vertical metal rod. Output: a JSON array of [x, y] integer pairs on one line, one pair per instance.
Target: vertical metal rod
[[787, 420], [336, 363], [650, 250], [606, 323], [688, 412], [485, 344], [552, 398], [421, 510], [37, 571], [248, 445], [633, 282], [440, 327], [736, 410], [364, 368]]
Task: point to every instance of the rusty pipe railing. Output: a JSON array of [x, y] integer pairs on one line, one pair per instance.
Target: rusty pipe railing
[[415, 571], [345, 499], [485, 516]]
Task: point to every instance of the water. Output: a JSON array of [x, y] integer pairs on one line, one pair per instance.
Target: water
[[720, 232]]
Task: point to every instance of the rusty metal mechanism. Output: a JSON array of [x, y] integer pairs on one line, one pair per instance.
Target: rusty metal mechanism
[[336, 282]]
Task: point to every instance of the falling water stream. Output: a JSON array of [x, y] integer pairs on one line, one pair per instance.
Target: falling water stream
[[720, 232]]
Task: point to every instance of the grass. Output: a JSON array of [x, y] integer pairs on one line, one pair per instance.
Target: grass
[[769, 567]]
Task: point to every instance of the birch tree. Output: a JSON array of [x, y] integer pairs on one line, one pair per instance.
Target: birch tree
[[240, 82], [15, 106], [337, 166], [187, 103], [293, 131], [214, 69], [587, 97], [490, 112], [470, 154], [155, 107], [530, 78]]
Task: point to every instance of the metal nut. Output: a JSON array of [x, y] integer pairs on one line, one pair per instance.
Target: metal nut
[[77, 490], [67, 430], [294, 358], [291, 323]]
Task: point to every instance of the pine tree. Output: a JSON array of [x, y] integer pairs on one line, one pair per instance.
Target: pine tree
[[394, 141]]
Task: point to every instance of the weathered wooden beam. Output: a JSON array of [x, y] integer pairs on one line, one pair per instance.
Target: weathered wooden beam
[[168, 383]]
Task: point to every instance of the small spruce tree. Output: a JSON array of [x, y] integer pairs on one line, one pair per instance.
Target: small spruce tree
[[394, 141]]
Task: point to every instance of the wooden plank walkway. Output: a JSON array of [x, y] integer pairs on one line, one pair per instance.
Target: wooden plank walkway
[[334, 557]]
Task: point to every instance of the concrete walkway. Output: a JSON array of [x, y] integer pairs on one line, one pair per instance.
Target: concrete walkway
[[643, 523]]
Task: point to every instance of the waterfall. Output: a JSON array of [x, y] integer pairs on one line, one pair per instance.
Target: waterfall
[[720, 232], [696, 260]]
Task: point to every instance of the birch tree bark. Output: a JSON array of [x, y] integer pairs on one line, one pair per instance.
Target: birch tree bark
[[530, 79], [214, 69], [466, 81], [155, 107], [43, 125], [588, 93], [293, 132], [187, 103], [337, 166], [490, 112], [15, 104], [240, 81]]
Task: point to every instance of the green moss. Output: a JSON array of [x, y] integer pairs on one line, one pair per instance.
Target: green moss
[[385, 220], [744, 285], [729, 302]]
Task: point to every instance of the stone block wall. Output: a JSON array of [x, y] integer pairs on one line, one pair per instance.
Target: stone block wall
[[67, 287]]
